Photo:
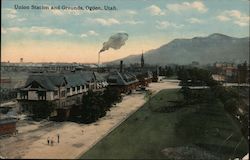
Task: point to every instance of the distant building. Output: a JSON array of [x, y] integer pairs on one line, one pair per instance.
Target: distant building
[[125, 82], [144, 77], [39, 67], [232, 73]]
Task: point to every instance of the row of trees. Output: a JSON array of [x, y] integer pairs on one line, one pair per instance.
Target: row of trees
[[195, 77], [228, 96], [167, 71], [96, 104], [7, 94]]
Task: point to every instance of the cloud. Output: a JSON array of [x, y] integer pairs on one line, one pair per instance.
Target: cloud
[[12, 14], [240, 23], [166, 24], [11, 30], [83, 35], [36, 29], [185, 6], [15, 29], [234, 16], [131, 12], [56, 12], [223, 18], [93, 33], [4, 31], [133, 22], [21, 19], [9, 13], [89, 33], [104, 22], [155, 10], [47, 31], [195, 21]]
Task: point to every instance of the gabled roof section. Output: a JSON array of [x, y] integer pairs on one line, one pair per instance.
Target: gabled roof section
[[117, 78], [99, 77], [75, 79], [49, 82], [87, 75]]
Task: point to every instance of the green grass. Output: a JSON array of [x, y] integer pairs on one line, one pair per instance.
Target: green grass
[[147, 132]]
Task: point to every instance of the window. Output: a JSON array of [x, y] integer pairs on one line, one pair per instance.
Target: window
[[24, 94], [68, 90], [41, 95], [73, 89], [63, 94], [78, 88], [55, 93], [83, 87]]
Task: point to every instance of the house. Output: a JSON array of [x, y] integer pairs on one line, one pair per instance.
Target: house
[[233, 73], [144, 77], [63, 90], [124, 81]]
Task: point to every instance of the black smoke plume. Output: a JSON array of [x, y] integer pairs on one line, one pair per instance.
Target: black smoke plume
[[116, 41]]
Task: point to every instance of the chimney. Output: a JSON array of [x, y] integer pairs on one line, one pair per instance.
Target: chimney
[[121, 66]]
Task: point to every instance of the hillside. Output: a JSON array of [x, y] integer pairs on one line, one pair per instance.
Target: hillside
[[215, 47]]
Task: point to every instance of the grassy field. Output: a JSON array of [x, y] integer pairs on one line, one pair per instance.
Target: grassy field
[[203, 131]]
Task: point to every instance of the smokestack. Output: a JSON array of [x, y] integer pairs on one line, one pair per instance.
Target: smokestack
[[121, 66]]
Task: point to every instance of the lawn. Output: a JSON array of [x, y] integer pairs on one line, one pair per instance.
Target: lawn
[[203, 131]]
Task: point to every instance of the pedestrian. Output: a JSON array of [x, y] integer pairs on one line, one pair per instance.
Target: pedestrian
[[82, 131], [48, 140], [58, 137], [52, 141]]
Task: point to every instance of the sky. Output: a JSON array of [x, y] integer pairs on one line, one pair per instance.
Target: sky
[[71, 35]]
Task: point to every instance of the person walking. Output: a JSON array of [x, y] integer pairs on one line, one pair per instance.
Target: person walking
[[58, 138], [48, 140], [52, 141]]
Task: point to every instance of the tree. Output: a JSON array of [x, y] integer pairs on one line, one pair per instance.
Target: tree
[[242, 73], [95, 104], [111, 96], [168, 71], [231, 105], [93, 107], [42, 109]]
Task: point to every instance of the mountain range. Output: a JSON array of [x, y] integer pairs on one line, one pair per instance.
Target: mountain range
[[215, 47]]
